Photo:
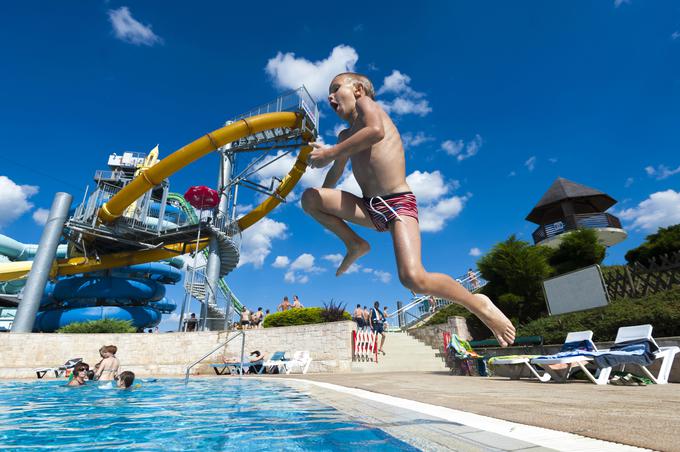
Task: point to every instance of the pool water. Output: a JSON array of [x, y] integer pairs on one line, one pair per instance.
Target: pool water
[[207, 414]]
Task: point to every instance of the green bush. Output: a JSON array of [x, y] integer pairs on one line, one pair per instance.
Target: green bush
[[99, 326], [661, 310], [664, 241], [515, 270], [299, 316], [577, 250]]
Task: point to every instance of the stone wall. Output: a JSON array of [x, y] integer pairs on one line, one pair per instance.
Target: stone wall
[[147, 354]]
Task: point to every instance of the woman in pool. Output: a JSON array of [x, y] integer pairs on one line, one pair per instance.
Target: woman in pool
[[79, 374], [108, 366]]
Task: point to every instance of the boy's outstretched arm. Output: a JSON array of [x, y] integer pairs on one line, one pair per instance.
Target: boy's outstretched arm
[[371, 133], [333, 175]]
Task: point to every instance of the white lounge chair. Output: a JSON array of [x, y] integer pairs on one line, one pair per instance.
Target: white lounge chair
[[578, 360], [301, 360], [277, 360], [58, 371], [666, 354], [518, 363]]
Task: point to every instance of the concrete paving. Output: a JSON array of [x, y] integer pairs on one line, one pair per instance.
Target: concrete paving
[[643, 416]]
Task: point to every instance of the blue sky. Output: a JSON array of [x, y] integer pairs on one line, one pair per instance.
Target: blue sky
[[494, 99]]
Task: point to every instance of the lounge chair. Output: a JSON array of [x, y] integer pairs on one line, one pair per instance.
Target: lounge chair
[[517, 364], [60, 370], [577, 351], [301, 360], [627, 334], [277, 361]]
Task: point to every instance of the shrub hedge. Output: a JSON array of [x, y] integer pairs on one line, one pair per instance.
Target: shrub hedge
[[299, 316], [99, 326], [661, 310]]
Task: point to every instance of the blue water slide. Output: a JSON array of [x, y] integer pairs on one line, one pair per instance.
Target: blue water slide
[[140, 316]]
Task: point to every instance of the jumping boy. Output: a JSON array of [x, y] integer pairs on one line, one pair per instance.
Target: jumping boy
[[373, 144]]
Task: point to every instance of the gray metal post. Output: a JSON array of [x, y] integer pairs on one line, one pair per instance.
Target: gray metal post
[[212, 276], [400, 316], [42, 264]]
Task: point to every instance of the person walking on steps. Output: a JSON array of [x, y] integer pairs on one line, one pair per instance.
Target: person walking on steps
[[377, 322]]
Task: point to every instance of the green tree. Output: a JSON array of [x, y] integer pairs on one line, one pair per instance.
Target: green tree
[[577, 249], [99, 326], [664, 241], [515, 270]]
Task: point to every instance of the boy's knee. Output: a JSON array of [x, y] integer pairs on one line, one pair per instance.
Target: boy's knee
[[310, 198], [413, 279]]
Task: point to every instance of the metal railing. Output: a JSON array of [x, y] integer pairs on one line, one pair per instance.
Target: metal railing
[[573, 222], [187, 370]]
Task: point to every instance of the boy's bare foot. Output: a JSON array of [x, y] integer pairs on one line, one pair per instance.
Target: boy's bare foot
[[354, 252], [495, 320]]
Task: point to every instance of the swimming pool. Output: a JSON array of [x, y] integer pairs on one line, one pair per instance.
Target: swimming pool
[[207, 414]]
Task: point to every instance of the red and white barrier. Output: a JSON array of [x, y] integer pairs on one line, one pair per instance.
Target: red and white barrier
[[365, 345]]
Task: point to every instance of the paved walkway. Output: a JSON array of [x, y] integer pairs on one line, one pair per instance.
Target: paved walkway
[[640, 416]]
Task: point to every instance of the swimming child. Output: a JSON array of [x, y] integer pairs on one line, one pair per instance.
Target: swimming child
[[125, 379], [373, 144], [107, 368], [79, 374]]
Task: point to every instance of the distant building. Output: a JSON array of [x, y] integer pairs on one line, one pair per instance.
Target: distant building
[[568, 206]]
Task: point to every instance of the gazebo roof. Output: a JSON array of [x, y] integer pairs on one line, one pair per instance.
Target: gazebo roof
[[564, 189]]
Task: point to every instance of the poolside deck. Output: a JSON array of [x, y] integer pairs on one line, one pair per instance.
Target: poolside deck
[[639, 416]]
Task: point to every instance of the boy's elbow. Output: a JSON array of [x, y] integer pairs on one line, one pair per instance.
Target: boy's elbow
[[378, 133]]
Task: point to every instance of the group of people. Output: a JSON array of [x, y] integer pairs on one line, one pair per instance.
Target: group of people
[[286, 304], [251, 319], [372, 319], [106, 370]]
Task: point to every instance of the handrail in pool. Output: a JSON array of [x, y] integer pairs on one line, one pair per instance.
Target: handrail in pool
[[243, 343]]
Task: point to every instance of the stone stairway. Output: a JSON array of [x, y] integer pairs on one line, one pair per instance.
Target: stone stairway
[[403, 353]]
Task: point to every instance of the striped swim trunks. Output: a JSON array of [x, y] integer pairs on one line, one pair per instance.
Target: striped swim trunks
[[384, 209]]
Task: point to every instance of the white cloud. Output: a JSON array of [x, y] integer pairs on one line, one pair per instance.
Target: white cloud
[[336, 130], [14, 200], [552, 160], [411, 140], [349, 184], [129, 30], [289, 72], [382, 276], [256, 241], [512, 174], [629, 182], [334, 259], [433, 217], [281, 262], [661, 172], [460, 150], [618, 3], [404, 106], [661, 209], [40, 216], [531, 163], [429, 187], [675, 35], [300, 268], [407, 100], [475, 252]]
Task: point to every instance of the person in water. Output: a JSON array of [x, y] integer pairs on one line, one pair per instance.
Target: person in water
[[373, 144], [79, 374], [107, 368], [125, 380]]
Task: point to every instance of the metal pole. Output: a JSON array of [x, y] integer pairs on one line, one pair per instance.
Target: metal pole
[[161, 210], [42, 264], [400, 315], [243, 346], [212, 277]]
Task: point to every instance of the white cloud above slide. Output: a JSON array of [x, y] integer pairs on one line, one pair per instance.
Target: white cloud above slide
[[289, 72], [130, 30], [406, 100], [14, 200], [256, 241], [40, 216], [461, 150], [661, 209]]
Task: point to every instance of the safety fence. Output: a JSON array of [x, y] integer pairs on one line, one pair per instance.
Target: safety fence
[[638, 280], [364, 345]]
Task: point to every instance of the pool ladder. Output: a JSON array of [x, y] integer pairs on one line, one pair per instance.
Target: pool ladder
[[222, 344]]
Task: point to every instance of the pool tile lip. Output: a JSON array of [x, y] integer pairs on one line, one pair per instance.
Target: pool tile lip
[[537, 436]]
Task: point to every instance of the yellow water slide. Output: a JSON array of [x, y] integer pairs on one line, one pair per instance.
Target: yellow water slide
[[154, 175]]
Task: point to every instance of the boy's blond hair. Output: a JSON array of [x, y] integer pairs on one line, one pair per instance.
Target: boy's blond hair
[[364, 81]]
